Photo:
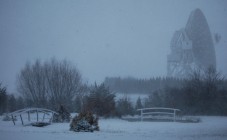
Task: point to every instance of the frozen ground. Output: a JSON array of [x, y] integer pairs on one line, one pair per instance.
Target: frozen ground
[[211, 128]]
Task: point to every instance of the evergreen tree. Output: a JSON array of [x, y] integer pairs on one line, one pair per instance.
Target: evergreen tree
[[138, 105], [3, 99], [155, 99], [12, 103], [124, 107], [100, 101]]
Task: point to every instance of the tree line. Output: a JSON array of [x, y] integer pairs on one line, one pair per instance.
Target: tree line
[[9, 103], [53, 83], [203, 92], [145, 86]]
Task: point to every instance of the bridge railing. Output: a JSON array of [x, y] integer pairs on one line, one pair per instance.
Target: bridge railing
[[146, 112], [31, 112]]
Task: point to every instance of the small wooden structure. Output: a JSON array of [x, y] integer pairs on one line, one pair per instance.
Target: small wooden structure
[[150, 112], [29, 113]]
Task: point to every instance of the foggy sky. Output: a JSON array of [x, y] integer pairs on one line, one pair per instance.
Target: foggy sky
[[100, 37]]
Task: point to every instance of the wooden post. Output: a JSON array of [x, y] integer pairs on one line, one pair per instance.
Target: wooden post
[[174, 115], [141, 115], [44, 116], [51, 119], [21, 120], [37, 115], [28, 116], [13, 120]]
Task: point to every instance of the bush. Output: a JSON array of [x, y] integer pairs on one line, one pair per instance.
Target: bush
[[85, 122]]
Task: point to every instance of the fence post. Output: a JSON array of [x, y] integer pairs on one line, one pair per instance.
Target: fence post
[[29, 116], [141, 115], [21, 120], [13, 119], [174, 115], [37, 115]]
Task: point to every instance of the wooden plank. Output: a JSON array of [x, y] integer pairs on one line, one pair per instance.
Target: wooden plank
[[152, 113], [21, 120], [37, 115], [13, 120], [51, 119], [141, 115], [29, 116], [43, 116], [159, 108]]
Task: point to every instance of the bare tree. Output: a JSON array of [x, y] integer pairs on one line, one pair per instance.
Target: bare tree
[[31, 83], [63, 82], [51, 83]]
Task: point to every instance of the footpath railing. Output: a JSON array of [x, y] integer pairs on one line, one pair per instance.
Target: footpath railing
[[156, 111], [31, 114]]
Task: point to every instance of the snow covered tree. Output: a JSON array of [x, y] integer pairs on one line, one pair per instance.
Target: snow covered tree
[[85, 121]]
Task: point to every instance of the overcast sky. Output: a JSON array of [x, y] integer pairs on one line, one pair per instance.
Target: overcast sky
[[101, 37]]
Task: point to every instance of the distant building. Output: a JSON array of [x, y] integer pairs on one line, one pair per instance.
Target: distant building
[[191, 47]]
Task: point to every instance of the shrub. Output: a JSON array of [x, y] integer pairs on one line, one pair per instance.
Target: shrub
[[85, 122]]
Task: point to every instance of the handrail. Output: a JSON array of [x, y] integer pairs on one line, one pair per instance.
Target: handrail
[[29, 110], [25, 110], [151, 113], [158, 112], [156, 108]]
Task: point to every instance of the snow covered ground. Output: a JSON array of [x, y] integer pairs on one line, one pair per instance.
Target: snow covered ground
[[211, 128]]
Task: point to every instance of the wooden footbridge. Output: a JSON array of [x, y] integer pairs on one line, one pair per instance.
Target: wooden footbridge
[[146, 113], [32, 116]]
